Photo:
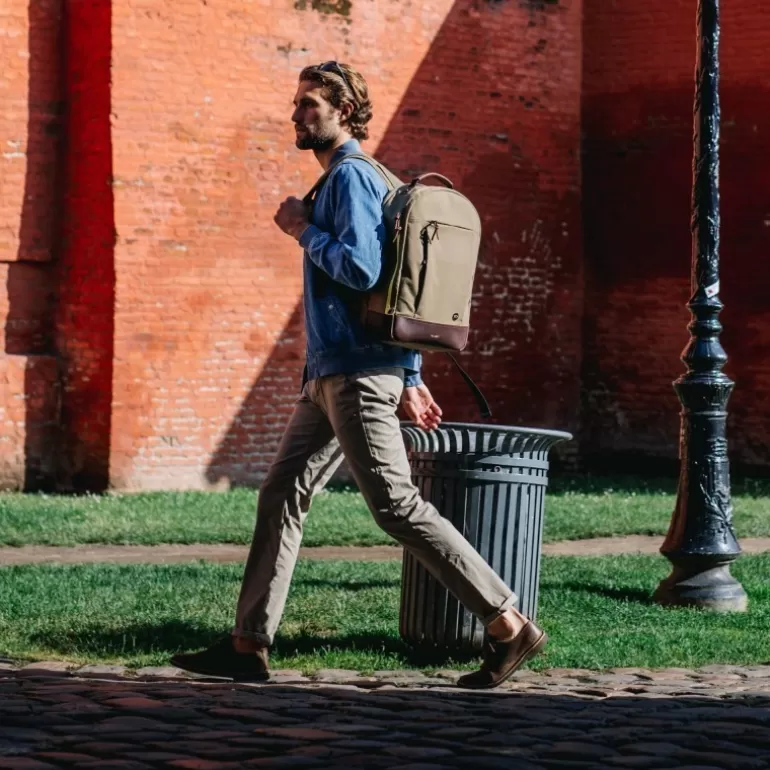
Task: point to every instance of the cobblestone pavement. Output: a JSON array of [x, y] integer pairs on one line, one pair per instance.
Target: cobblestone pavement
[[98, 717], [168, 554]]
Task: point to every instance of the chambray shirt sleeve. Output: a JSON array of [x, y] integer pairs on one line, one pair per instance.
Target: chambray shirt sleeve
[[412, 377], [353, 256]]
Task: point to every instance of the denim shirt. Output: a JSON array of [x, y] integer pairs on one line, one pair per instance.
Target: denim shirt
[[343, 252]]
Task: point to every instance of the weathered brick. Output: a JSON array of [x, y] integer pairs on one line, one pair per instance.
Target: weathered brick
[[144, 266], [208, 332]]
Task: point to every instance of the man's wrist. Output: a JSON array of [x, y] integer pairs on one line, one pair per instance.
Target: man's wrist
[[412, 380]]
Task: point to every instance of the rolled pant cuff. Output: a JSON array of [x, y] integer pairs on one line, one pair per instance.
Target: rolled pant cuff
[[254, 635], [502, 609]]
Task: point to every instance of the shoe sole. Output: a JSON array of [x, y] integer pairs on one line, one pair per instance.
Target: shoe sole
[[247, 677], [533, 650]]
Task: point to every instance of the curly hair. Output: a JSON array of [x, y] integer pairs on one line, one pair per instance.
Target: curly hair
[[343, 84]]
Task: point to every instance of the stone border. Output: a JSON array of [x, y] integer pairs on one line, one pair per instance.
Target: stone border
[[713, 680]]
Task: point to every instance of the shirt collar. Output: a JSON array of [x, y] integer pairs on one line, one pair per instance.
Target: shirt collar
[[350, 147]]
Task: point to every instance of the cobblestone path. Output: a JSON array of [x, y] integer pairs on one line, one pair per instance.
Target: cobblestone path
[[96, 717]]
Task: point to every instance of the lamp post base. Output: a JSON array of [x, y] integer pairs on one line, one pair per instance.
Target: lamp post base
[[700, 585]]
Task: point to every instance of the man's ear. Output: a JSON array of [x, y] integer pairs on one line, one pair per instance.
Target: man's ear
[[346, 110]]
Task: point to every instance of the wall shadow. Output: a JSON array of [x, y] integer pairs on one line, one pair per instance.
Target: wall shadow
[[30, 281], [530, 219], [61, 287], [493, 132], [637, 186], [637, 191], [252, 437], [636, 285], [85, 310]]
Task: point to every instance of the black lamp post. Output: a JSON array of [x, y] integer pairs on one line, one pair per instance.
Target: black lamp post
[[701, 542]]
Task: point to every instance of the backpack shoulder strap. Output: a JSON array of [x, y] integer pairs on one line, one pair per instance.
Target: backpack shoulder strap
[[391, 180], [477, 394]]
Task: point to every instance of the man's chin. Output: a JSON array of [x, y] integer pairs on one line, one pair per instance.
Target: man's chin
[[306, 142]]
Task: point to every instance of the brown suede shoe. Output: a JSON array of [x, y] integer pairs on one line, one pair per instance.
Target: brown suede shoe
[[501, 659], [221, 659]]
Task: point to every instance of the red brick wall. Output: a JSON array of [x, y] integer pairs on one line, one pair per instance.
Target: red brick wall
[[638, 62], [30, 145], [153, 327], [208, 339]]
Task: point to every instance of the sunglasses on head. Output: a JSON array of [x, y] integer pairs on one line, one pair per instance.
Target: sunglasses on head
[[332, 66]]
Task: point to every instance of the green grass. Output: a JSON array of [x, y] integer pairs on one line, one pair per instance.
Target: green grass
[[575, 509], [345, 615], [338, 517]]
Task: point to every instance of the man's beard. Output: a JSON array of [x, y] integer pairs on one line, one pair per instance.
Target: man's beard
[[314, 139]]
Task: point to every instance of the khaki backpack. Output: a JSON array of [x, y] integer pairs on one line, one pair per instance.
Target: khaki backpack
[[423, 298]]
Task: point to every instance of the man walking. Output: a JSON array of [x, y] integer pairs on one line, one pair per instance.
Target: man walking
[[351, 392]]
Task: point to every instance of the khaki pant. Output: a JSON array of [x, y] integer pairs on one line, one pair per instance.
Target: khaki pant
[[354, 415]]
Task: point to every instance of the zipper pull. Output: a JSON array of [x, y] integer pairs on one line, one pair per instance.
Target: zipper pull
[[397, 227]]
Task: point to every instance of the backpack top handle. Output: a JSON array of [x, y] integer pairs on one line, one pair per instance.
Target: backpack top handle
[[418, 179]]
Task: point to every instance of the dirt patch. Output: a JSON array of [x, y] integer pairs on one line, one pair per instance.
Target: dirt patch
[[171, 554]]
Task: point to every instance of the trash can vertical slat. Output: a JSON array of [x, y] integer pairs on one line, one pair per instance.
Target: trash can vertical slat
[[523, 505], [501, 525], [537, 550], [457, 492]]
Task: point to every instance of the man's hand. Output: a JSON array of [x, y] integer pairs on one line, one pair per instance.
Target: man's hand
[[292, 217], [420, 407]]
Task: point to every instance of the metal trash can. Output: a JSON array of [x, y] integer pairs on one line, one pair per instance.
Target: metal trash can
[[490, 482]]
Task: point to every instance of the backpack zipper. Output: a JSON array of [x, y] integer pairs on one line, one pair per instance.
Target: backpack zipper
[[427, 238], [399, 229]]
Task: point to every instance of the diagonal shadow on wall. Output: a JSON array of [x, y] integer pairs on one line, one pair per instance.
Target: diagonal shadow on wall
[[251, 439], [459, 116]]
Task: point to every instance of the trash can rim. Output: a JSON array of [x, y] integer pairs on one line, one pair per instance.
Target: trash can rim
[[479, 427]]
